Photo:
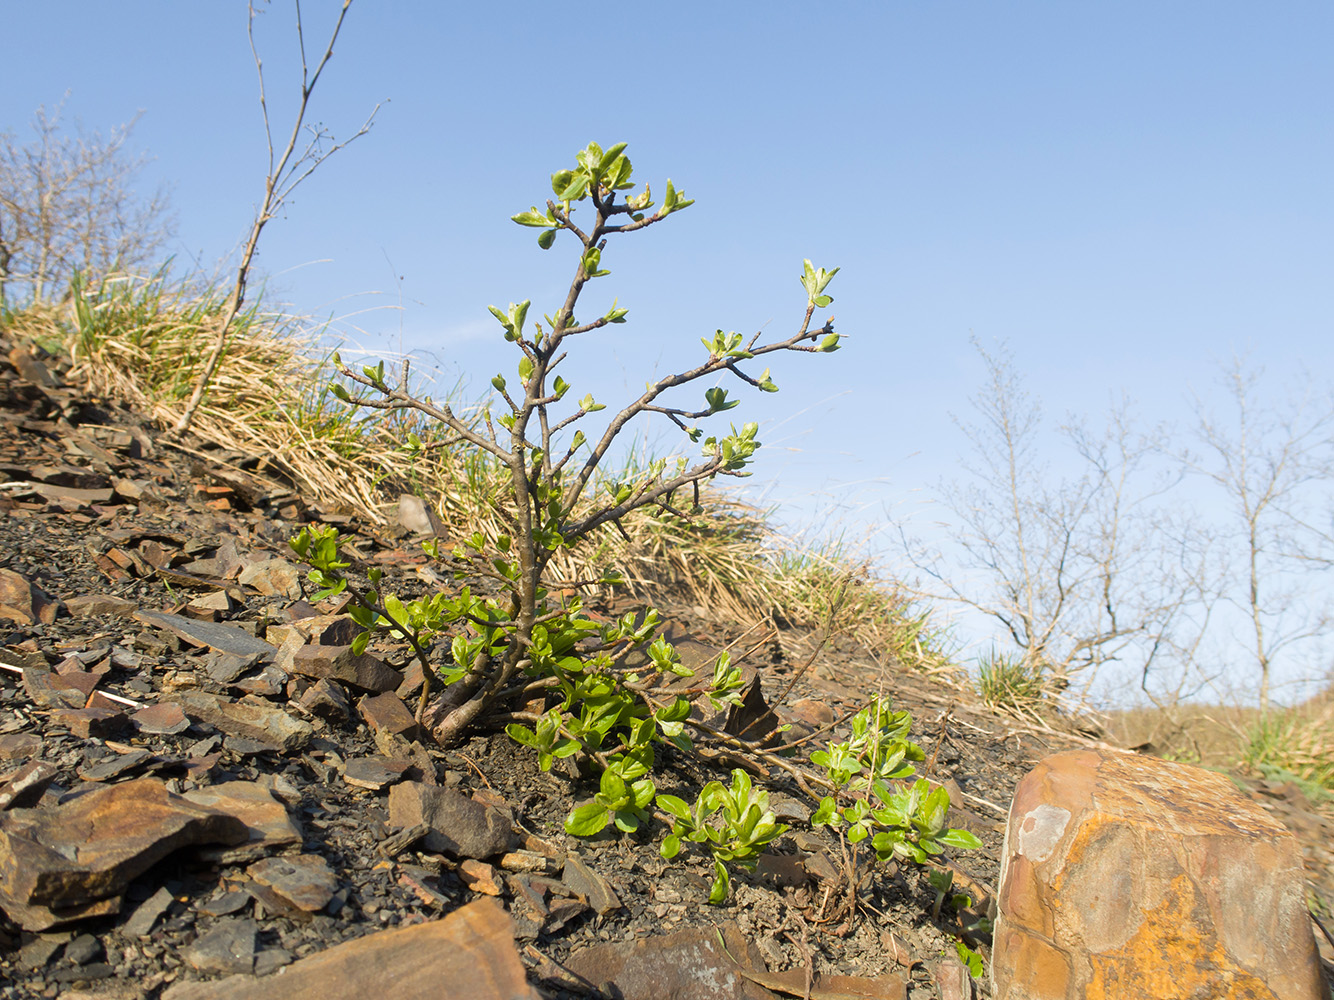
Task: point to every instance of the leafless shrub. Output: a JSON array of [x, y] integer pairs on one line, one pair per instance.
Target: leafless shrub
[[1079, 571], [69, 203]]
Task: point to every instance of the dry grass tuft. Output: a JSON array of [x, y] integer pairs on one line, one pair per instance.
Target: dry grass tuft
[[1296, 743]]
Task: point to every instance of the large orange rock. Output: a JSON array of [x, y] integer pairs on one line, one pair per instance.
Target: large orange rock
[[1131, 878]]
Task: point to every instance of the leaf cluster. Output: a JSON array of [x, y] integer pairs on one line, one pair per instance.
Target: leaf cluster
[[905, 823], [733, 821]]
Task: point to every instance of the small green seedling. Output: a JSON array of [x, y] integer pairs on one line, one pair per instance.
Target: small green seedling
[[734, 821]]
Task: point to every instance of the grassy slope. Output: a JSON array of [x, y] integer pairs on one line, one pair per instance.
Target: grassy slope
[[144, 341]]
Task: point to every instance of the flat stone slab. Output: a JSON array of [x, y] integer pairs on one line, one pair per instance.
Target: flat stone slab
[[214, 635], [1135, 878], [268, 824], [301, 882], [339, 663], [469, 953], [99, 604], [696, 963], [375, 773], [70, 860], [458, 825], [25, 602], [271, 726]]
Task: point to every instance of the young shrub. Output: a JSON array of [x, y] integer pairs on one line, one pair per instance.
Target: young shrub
[[734, 821], [610, 717], [907, 823]]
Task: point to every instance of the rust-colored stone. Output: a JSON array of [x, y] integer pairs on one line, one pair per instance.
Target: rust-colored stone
[[73, 860], [469, 953], [480, 877], [386, 712], [1132, 878], [339, 663], [24, 602]]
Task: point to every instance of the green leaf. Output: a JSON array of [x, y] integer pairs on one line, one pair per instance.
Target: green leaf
[[825, 814], [499, 383], [969, 958], [546, 238], [829, 344], [577, 189], [674, 806], [671, 846], [718, 401], [360, 643], [586, 820], [718, 891], [610, 156], [561, 180], [521, 734], [531, 218], [961, 839]]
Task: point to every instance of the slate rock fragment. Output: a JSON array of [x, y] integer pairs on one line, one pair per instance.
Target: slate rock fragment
[[458, 825], [375, 773], [24, 602], [72, 859], [581, 879], [273, 578], [146, 914], [16, 746], [696, 963], [326, 700], [27, 785], [339, 663], [227, 903], [386, 713], [48, 689], [224, 667], [111, 767], [84, 949], [162, 719], [474, 945], [222, 637], [269, 826], [227, 947], [300, 882], [271, 726], [91, 723]]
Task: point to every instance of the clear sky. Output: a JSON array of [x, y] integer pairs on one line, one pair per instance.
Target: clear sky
[[1128, 193]]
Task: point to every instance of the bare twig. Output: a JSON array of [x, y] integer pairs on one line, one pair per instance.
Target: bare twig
[[284, 175]]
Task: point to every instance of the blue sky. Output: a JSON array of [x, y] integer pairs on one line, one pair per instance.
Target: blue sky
[[1128, 194]]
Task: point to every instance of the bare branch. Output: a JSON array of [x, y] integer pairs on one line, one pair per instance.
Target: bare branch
[[282, 179]]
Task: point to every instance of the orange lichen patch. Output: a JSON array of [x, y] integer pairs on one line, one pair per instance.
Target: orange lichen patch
[[1170, 955], [1022, 899]]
